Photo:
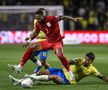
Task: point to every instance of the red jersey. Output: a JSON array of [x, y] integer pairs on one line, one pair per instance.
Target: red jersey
[[51, 28]]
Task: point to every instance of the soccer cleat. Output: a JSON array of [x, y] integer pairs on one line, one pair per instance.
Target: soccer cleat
[[15, 68], [14, 80]]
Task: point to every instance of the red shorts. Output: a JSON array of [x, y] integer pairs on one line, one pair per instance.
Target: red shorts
[[51, 46]]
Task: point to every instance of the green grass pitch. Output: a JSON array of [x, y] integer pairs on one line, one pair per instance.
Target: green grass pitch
[[11, 54]]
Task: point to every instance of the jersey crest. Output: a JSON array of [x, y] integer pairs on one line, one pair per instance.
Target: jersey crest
[[48, 24]]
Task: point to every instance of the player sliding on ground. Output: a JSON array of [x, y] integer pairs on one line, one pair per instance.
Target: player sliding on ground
[[80, 67], [49, 25]]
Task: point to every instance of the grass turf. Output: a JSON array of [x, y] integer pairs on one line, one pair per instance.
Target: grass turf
[[13, 53]]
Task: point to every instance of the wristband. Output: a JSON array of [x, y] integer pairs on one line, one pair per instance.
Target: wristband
[[29, 40]]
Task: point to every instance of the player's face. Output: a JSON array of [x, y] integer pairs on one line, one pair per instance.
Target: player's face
[[87, 61], [38, 18]]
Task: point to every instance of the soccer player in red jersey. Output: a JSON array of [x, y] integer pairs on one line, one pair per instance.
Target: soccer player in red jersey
[[49, 25]]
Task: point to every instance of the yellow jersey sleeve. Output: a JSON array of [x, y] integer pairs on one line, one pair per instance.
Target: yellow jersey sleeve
[[95, 72], [35, 23], [41, 34], [79, 61]]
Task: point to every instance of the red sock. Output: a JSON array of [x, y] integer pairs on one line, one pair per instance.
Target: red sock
[[64, 61], [26, 56]]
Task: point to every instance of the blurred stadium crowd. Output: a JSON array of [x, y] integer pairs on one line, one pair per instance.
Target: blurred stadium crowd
[[95, 13]]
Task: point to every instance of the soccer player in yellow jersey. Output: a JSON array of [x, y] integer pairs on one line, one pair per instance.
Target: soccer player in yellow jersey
[[80, 67]]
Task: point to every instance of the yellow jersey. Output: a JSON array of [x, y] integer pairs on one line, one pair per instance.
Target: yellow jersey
[[81, 71], [40, 33]]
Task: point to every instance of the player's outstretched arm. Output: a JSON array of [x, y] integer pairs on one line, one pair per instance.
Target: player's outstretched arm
[[71, 18], [102, 77], [30, 38]]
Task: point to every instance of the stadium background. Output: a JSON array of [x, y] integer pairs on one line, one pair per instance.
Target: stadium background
[[92, 31]]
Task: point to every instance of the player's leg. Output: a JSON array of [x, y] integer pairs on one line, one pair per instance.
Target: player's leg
[[56, 75], [38, 46], [33, 47], [55, 78], [43, 58], [58, 47], [33, 58], [36, 61], [15, 80], [49, 74], [44, 53]]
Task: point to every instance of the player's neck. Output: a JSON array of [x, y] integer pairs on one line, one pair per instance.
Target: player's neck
[[43, 20]]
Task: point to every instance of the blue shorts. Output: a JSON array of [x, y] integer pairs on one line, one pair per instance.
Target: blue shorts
[[43, 54], [60, 73]]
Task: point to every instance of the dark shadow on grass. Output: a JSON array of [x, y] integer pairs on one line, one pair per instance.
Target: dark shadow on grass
[[93, 83], [83, 83], [45, 84]]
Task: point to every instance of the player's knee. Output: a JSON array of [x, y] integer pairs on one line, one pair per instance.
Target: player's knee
[[56, 79], [46, 65], [43, 63], [35, 47], [59, 55], [31, 46], [52, 77]]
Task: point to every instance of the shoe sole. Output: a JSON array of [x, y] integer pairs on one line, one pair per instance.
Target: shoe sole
[[12, 79], [11, 66]]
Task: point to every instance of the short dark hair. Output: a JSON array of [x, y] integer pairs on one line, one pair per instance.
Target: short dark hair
[[41, 11], [91, 55]]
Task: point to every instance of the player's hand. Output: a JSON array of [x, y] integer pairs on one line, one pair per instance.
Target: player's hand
[[27, 38], [25, 44], [78, 18]]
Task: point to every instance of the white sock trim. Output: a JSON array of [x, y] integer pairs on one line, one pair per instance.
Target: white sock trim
[[40, 78], [39, 63], [20, 66]]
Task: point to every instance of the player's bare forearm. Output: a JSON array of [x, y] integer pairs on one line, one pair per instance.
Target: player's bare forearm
[[71, 18], [30, 38], [105, 79], [33, 34], [102, 77]]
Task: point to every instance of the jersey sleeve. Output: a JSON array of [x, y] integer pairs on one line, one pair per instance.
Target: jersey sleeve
[[55, 18], [34, 24], [79, 61], [95, 72]]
